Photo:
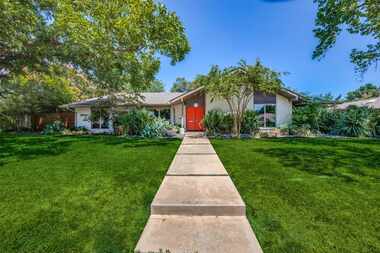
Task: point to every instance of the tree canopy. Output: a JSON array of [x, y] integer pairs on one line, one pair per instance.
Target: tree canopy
[[117, 44], [236, 85], [354, 16], [368, 90], [156, 86], [181, 85]]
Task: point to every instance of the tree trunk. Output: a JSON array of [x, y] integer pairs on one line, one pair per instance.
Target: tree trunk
[[236, 126]]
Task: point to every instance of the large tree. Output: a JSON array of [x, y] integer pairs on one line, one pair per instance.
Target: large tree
[[181, 85], [115, 43], [366, 91], [156, 86], [236, 86], [360, 17]]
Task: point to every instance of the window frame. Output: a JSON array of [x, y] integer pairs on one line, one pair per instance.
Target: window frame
[[265, 117], [101, 120]]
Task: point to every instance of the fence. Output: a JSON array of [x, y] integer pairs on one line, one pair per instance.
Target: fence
[[39, 121]]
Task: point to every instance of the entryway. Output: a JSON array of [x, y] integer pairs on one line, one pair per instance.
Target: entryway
[[194, 118]]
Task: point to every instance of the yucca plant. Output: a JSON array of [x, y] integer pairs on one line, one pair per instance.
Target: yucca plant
[[355, 122]]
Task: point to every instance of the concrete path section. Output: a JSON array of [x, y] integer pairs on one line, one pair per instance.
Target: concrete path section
[[202, 234], [197, 207], [191, 165], [189, 195], [196, 149]]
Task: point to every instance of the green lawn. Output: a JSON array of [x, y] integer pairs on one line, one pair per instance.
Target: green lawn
[[78, 194], [308, 195]]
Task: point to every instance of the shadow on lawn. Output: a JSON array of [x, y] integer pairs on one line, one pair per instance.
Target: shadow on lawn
[[135, 142], [341, 161], [24, 148], [28, 147], [326, 141]]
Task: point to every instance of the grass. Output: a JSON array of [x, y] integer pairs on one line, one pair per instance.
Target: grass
[[308, 195], [78, 194]]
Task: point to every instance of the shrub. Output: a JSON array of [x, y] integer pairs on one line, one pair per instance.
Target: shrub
[[135, 121], [250, 122], [375, 122], [143, 123], [327, 121], [217, 122], [307, 116], [355, 122], [157, 127], [53, 128]]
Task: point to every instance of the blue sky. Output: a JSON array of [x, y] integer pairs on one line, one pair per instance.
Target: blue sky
[[278, 32]]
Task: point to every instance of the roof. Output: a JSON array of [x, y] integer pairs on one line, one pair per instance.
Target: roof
[[370, 103], [283, 91], [147, 98]]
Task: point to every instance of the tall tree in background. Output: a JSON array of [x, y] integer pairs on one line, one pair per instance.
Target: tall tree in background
[[236, 86], [356, 17], [156, 86], [117, 44], [181, 85], [366, 91]]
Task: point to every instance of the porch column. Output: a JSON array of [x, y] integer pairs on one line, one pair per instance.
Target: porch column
[[183, 115]]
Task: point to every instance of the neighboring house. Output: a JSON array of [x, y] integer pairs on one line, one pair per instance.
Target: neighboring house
[[370, 103], [187, 109]]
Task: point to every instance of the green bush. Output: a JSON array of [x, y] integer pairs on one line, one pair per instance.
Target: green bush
[[250, 122], [218, 122], [355, 122], [135, 121], [375, 122], [315, 118], [307, 117], [327, 121], [143, 123], [157, 127], [53, 128]]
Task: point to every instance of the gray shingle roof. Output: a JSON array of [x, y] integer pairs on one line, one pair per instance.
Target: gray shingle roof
[[147, 98], [370, 103]]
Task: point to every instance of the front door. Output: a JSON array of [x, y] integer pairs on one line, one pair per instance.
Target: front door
[[194, 118]]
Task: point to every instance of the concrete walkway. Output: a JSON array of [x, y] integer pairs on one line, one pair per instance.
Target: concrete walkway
[[197, 208]]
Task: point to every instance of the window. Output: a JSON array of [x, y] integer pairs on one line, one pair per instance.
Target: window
[[84, 117], [165, 114], [265, 107], [99, 119]]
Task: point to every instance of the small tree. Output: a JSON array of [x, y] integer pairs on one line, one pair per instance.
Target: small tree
[[236, 85]]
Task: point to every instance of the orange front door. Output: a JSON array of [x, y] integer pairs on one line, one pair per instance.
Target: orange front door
[[194, 118]]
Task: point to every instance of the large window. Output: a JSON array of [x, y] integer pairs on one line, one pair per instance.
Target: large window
[[99, 119], [265, 107]]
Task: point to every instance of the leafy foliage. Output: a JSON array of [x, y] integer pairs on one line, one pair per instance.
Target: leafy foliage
[[250, 122], [54, 128], [134, 121], [368, 90], [40, 92], [156, 86], [355, 122], [236, 85], [316, 118], [140, 122], [354, 16], [115, 43], [181, 85], [157, 127], [217, 122]]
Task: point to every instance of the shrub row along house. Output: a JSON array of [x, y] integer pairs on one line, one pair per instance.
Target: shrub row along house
[[186, 110]]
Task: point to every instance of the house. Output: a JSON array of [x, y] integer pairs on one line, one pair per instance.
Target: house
[[373, 103], [186, 109]]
